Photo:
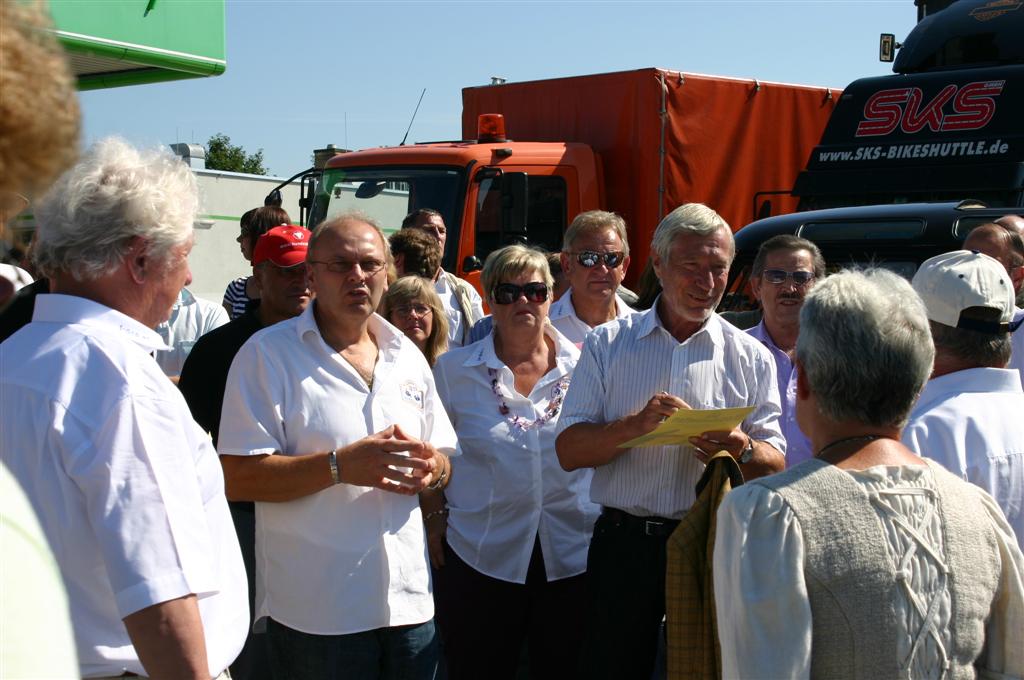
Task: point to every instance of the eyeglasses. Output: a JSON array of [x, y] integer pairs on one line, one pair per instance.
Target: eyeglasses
[[507, 293], [368, 267], [420, 310], [590, 258], [779, 276]]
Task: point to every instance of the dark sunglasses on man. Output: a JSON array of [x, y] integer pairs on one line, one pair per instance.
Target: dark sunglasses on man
[[507, 293], [590, 258], [779, 276]]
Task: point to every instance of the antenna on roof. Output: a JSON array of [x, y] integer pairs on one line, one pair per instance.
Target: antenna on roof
[[413, 117]]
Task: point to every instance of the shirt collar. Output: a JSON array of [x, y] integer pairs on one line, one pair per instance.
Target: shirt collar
[[441, 285], [760, 332], [185, 297], [972, 380], [72, 309], [388, 338], [650, 321], [566, 353], [563, 307]]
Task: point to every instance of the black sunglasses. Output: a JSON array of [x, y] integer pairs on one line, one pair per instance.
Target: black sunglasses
[[779, 276], [590, 258], [507, 293]]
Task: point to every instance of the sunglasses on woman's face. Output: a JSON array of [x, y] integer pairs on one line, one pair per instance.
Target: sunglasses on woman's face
[[590, 258], [507, 293]]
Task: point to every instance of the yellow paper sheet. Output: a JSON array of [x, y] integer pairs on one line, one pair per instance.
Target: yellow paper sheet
[[685, 423]]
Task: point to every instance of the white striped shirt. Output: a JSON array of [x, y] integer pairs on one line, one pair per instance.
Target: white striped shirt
[[627, 361]]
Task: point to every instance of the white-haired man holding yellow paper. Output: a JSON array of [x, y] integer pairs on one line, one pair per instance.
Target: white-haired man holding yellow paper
[[632, 374]]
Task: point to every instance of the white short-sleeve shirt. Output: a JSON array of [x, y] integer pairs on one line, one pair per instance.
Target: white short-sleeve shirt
[[626, 362], [127, 488], [348, 558], [563, 317], [191, 318], [507, 487], [970, 423]]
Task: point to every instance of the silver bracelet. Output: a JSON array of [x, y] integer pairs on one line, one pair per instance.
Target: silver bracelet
[[443, 512], [332, 460]]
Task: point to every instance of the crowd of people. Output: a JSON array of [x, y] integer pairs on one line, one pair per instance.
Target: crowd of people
[[349, 470]]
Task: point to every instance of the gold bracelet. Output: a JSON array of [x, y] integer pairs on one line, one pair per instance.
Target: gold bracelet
[[332, 460], [436, 484]]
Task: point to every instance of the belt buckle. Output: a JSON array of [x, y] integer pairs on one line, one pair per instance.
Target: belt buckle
[[651, 527]]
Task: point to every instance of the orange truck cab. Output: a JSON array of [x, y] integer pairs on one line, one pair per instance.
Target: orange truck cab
[[638, 143]]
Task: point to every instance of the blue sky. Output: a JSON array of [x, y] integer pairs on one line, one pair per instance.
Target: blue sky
[[298, 70]]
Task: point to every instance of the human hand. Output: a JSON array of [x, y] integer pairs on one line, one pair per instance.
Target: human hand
[[660, 406], [710, 443], [388, 460]]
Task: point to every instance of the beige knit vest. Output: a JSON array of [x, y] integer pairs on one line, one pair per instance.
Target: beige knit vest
[[852, 579]]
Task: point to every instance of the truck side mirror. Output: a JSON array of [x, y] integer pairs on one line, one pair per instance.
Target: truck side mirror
[[471, 264], [514, 203], [887, 47]]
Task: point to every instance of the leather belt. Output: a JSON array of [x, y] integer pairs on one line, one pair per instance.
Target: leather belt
[[648, 526]]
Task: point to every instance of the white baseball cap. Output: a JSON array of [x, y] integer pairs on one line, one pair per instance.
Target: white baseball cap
[[952, 282]]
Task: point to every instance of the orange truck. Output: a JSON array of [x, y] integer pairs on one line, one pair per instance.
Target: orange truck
[[638, 143]]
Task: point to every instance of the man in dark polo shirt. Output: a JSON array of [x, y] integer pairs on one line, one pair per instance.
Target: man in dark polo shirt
[[280, 274]]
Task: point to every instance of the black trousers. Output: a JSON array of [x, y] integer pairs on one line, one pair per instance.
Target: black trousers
[[625, 598], [484, 621]]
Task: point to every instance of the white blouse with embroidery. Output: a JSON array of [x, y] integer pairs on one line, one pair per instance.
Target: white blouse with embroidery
[[764, 616]]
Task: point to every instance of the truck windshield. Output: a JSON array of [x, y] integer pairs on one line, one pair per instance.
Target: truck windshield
[[388, 194]]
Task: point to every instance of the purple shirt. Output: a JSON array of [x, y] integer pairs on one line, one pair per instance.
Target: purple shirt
[[798, 447]]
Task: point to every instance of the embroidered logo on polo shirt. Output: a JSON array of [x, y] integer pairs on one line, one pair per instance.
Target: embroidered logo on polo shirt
[[413, 393]]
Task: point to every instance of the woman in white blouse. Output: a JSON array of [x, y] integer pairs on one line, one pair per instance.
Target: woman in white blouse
[[866, 561], [511, 566]]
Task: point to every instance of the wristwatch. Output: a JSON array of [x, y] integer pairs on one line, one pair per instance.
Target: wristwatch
[[748, 451]]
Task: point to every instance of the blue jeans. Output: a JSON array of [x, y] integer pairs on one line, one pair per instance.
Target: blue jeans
[[398, 653]]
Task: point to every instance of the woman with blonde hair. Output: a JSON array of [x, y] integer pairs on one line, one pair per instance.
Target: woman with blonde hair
[[510, 560], [412, 306]]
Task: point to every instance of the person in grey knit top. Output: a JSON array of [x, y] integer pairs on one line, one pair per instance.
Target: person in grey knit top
[[866, 561]]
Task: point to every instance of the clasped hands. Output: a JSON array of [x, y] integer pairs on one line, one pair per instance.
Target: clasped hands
[[663, 404], [391, 460]]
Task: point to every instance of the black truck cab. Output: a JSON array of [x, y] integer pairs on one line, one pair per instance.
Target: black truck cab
[[908, 163]]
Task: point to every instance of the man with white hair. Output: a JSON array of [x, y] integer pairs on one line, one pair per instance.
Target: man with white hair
[[633, 373], [594, 258], [128, 489], [968, 415]]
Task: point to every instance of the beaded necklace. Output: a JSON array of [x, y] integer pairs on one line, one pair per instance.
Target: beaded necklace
[[524, 424]]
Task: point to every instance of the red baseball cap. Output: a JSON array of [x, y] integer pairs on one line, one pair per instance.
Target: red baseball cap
[[285, 246]]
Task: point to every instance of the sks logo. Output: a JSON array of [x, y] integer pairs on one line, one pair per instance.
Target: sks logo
[[972, 109]]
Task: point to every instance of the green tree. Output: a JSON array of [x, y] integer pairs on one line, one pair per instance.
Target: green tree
[[221, 154]]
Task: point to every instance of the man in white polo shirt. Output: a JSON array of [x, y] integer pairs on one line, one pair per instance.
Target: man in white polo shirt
[[127, 487], [633, 373], [332, 424], [968, 417], [595, 257]]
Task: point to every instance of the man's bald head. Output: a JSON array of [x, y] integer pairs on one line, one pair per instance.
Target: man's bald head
[[1001, 243], [1014, 223]]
